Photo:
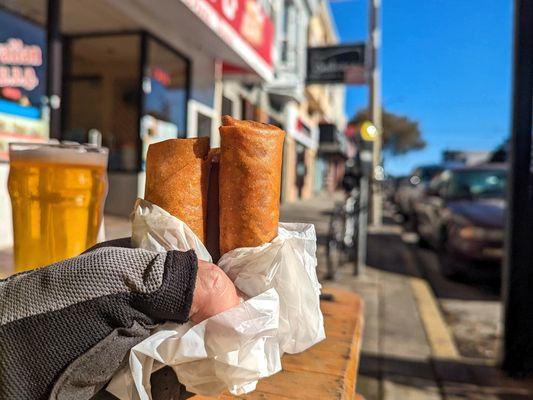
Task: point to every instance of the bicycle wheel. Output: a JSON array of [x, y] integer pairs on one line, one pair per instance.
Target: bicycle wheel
[[335, 247]]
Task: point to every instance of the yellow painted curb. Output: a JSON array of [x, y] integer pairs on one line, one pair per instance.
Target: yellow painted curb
[[439, 337]]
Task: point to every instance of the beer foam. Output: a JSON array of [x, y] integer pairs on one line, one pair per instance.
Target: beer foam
[[59, 154]]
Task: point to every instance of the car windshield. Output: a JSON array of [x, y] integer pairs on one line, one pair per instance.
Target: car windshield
[[478, 184], [427, 173]]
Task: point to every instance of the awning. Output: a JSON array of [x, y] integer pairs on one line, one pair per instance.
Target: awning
[[237, 32]]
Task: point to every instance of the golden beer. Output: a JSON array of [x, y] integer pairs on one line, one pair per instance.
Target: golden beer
[[57, 197]]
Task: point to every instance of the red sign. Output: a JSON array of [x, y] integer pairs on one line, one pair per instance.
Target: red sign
[[242, 24], [250, 21]]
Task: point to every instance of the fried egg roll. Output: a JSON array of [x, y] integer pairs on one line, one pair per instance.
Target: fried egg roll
[[249, 183], [177, 179]]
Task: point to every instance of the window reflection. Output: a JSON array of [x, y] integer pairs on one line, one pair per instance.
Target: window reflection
[[165, 89], [101, 89]]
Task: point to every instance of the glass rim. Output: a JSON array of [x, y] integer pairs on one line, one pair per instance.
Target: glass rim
[[85, 147]]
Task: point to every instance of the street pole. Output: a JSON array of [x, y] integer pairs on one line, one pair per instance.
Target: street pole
[[54, 78], [370, 158], [518, 267], [374, 105], [365, 160]]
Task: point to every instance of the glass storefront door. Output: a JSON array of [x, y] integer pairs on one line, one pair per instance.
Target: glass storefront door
[[101, 86], [165, 88], [129, 87]]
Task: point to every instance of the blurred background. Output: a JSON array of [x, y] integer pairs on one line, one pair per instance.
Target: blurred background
[[403, 147]]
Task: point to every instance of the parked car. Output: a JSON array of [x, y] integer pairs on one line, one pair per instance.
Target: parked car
[[411, 189], [391, 186], [461, 214]]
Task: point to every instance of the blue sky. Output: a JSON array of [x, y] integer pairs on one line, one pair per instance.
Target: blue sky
[[446, 64]]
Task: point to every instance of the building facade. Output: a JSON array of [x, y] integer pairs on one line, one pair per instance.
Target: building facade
[[326, 105], [135, 72], [286, 100]]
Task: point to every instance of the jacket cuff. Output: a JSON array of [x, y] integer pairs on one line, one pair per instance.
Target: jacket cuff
[[173, 300]]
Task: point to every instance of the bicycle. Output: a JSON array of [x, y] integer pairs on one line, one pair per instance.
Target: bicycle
[[342, 234]]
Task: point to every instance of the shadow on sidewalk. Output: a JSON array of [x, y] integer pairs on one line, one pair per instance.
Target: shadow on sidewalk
[[388, 251], [455, 379]]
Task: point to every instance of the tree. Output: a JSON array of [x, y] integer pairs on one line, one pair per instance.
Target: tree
[[400, 134]]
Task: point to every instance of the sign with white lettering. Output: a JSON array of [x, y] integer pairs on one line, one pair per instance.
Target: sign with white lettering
[[23, 115], [244, 26], [337, 64], [17, 62]]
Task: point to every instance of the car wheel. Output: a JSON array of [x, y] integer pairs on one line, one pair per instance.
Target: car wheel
[[423, 243], [413, 218], [449, 265]]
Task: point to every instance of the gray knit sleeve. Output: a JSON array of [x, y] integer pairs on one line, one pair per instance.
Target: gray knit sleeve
[[65, 328]]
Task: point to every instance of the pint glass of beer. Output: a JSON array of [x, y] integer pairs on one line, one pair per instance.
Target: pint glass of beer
[[57, 195]]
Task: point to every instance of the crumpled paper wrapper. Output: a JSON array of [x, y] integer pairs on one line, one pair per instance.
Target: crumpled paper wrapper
[[234, 349]]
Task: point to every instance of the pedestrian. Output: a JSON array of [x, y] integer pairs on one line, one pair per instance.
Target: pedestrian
[[66, 328]]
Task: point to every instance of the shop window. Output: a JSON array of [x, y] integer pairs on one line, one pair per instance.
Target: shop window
[[248, 109], [23, 110], [227, 106], [288, 34], [105, 88], [301, 169], [165, 90], [275, 122], [102, 81], [203, 124]]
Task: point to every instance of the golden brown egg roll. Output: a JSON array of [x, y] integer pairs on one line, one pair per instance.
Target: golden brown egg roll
[[249, 183], [177, 179], [213, 227]]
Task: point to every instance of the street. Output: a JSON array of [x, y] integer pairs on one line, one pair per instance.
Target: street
[[471, 309]]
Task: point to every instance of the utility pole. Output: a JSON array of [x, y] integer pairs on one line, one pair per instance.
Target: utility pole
[[374, 104], [54, 66], [370, 155], [518, 267]]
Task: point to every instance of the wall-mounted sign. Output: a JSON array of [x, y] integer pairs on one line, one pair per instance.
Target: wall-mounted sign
[[243, 25], [17, 64], [337, 64], [23, 116]]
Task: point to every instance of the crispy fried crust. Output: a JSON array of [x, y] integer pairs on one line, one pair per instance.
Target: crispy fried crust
[[249, 183], [177, 178]]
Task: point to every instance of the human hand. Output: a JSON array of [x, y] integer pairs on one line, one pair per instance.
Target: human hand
[[214, 292]]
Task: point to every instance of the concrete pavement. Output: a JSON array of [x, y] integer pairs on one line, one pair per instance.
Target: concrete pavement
[[420, 329]]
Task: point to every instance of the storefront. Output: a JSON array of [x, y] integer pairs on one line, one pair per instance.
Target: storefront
[[131, 88], [299, 153], [23, 112], [128, 72]]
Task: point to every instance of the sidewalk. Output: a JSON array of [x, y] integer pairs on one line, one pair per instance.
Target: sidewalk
[[409, 351]]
